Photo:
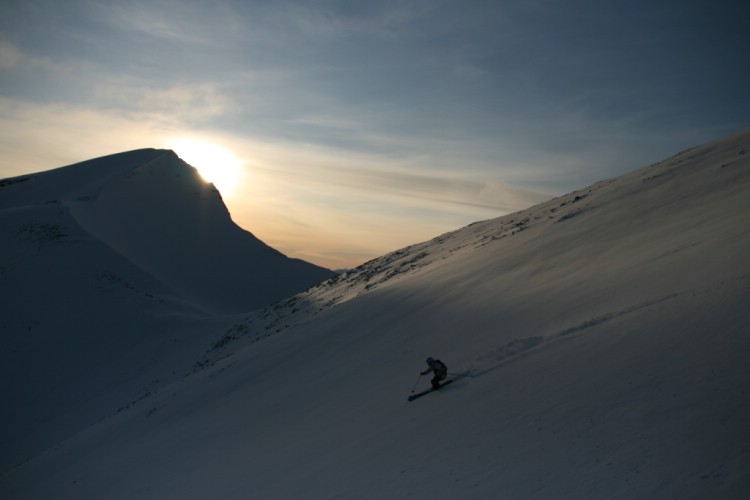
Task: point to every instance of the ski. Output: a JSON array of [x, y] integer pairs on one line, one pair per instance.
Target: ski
[[424, 393]]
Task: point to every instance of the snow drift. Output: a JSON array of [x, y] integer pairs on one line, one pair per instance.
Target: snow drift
[[601, 339]]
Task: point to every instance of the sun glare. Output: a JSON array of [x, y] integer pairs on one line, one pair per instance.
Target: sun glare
[[213, 162]]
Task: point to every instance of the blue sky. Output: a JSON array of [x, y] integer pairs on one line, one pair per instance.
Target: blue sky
[[355, 128]]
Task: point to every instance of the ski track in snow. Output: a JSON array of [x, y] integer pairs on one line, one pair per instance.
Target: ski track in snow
[[491, 360]]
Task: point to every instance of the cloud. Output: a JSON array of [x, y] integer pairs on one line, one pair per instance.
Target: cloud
[[36, 137], [171, 21], [327, 176], [14, 59], [329, 21], [10, 56], [437, 190], [184, 102]]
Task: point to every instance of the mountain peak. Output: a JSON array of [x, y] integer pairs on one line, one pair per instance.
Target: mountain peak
[[156, 210]]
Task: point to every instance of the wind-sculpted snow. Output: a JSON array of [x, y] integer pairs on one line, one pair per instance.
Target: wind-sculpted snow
[[599, 343]]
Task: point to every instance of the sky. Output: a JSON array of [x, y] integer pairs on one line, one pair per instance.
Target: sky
[[338, 131]]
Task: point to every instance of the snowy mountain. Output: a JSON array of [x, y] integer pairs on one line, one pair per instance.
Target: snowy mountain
[[598, 341], [105, 267], [155, 210]]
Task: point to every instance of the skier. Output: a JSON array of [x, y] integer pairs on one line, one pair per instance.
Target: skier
[[438, 368]]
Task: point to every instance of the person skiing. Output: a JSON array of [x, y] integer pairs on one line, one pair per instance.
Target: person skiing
[[438, 368]]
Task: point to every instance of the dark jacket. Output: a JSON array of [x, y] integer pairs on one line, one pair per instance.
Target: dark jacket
[[438, 367]]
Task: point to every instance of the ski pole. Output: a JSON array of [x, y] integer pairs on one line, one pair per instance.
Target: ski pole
[[415, 383]]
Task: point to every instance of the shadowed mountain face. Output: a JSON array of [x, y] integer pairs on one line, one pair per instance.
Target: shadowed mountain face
[[110, 272], [598, 341], [155, 210]]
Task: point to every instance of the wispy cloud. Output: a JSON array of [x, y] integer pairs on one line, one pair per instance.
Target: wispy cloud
[[334, 21], [14, 59], [174, 22], [188, 102], [36, 137], [10, 56]]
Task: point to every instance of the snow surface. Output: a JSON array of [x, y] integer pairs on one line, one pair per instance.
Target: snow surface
[[602, 336], [111, 272]]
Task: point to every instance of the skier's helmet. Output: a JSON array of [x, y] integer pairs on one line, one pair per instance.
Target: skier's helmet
[[430, 361]]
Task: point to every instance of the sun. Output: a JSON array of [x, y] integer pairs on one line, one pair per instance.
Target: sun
[[214, 163]]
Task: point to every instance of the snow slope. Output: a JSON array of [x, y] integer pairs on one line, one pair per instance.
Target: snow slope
[[602, 338], [106, 283]]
